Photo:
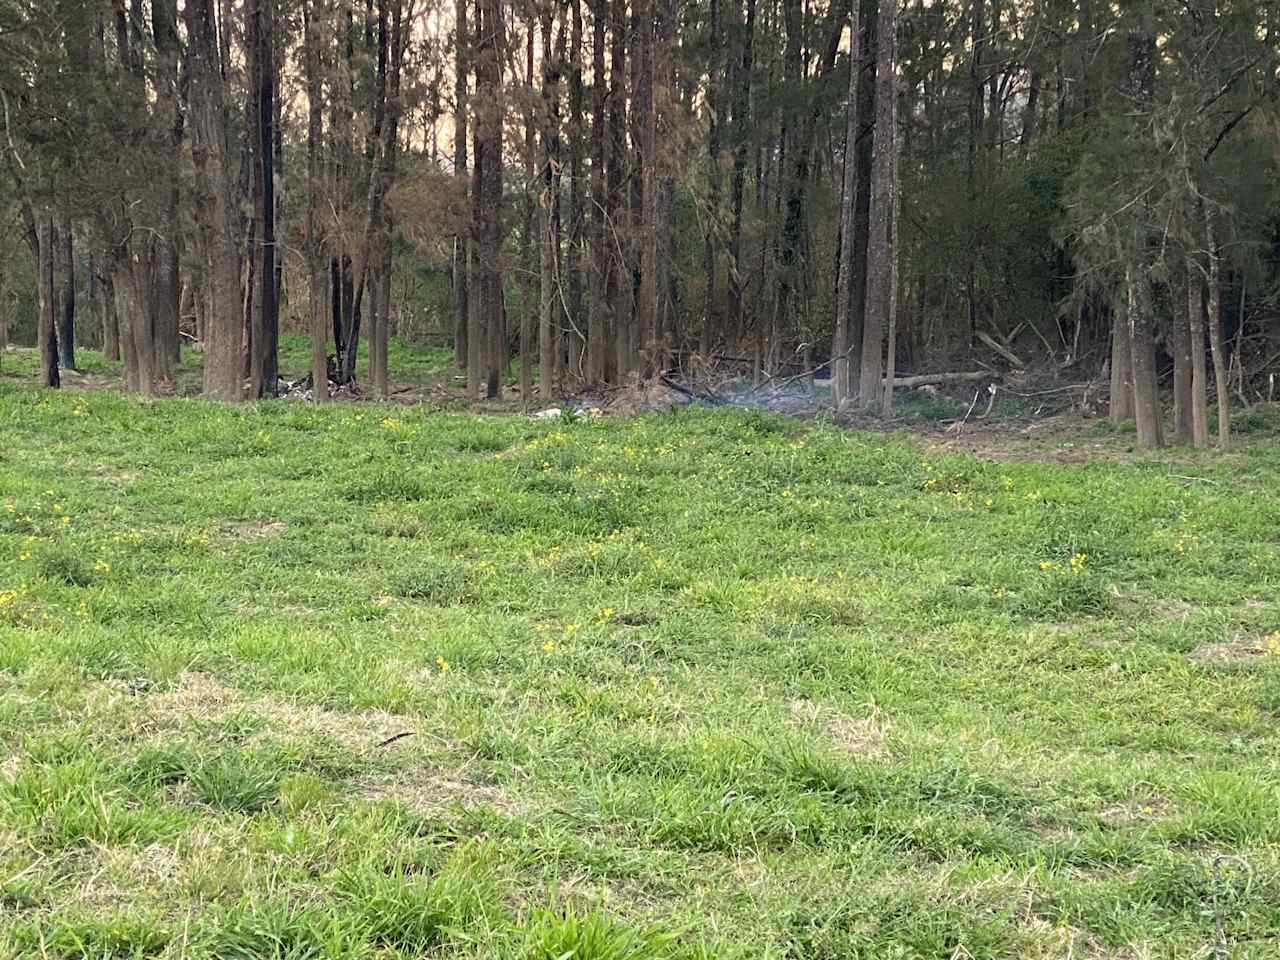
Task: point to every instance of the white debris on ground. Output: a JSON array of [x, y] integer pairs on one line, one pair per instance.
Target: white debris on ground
[[578, 413]]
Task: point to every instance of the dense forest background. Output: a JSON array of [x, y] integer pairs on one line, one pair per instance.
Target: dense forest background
[[585, 193]]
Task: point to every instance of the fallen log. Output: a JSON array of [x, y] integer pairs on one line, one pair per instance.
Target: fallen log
[[928, 379]]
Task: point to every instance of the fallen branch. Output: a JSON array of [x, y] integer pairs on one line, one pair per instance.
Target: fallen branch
[[958, 427], [1000, 348], [393, 738]]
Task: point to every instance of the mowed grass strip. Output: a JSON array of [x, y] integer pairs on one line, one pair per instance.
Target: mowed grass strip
[[363, 681]]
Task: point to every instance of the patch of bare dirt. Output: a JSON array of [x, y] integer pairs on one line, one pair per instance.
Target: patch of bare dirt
[[1237, 650], [115, 475], [433, 792], [257, 530], [1055, 439], [1136, 810], [650, 397], [865, 737]]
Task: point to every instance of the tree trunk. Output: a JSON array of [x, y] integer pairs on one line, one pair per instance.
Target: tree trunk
[[462, 241], [864, 156], [216, 214], [647, 307], [1180, 346], [599, 325], [977, 40], [1146, 403], [575, 318], [617, 290], [1196, 350], [317, 270], [265, 323], [1029, 115], [547, 204], [840, 343], [527, 247], [380, 334], [47, 330], [710, 313], [742, 142], [488, 189], [891, 351], [1121, 404], [67, 297], [110, 319], [166, 310], [880, 248], [1215, 334]]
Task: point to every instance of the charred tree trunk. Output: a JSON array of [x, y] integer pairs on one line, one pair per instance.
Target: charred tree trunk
[[646, 312], [167, 309], [462, 241], [548, 203], [575, 318], [617, 291], [529, 232], [317, 270], [715, 69], [47, 328], [600, 322], [1215, 334], [863, 154], [265, 325], [742, 142], [67, 297], [487, 189]]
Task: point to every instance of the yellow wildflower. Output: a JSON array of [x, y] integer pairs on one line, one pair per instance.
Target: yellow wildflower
[[549, 647], [443, 664]]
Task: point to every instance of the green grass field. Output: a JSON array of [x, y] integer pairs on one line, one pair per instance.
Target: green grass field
[[704, 684]]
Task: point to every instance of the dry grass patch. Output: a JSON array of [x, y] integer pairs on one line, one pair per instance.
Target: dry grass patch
[[256, 530], [865, 737], [433, 792], [1136, 810], [1239, 649], [202, 698]]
